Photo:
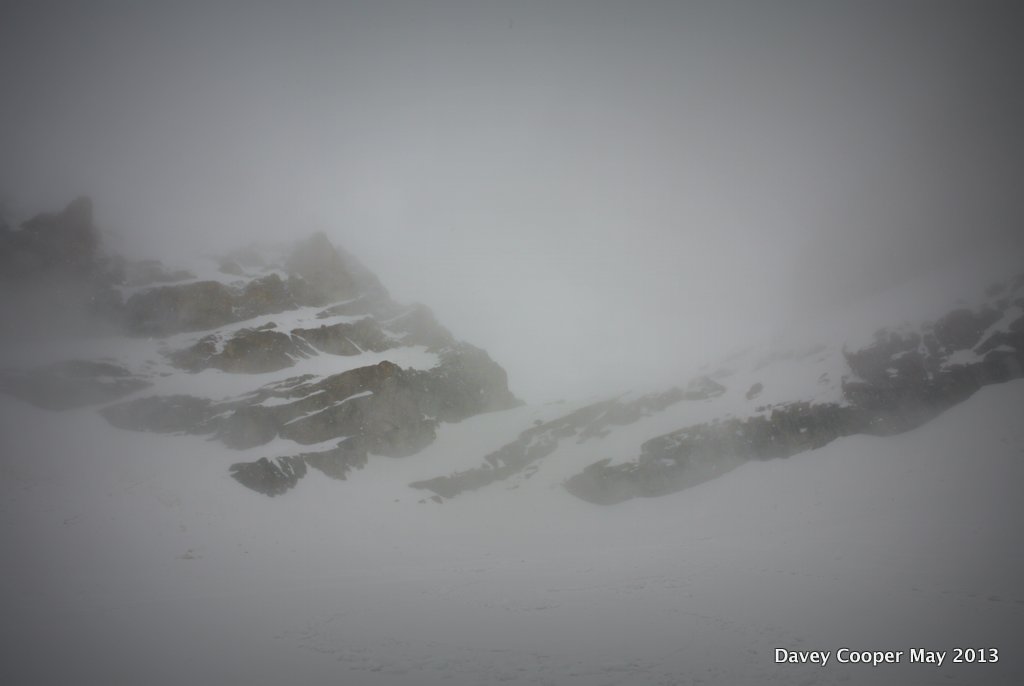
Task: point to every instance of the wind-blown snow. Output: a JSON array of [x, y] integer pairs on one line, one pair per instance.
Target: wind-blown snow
[[134, 558]]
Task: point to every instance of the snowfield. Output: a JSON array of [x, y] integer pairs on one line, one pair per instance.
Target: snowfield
[[134, 558]]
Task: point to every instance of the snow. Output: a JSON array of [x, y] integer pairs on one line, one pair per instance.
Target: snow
[[134, 558]]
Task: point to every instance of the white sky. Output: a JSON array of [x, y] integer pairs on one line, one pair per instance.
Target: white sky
[[600, 194]]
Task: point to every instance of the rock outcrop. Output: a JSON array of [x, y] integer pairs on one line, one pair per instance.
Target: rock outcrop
[[246, 351], [536, 443], [903, 379], [55, 280], [377, 407]]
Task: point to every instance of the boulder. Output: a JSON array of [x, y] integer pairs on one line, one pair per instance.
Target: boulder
[[270, 477]]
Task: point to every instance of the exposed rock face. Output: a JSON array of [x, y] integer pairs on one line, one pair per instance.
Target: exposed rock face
[[268, 295], [318, 275], [276, 476], [381, 409], [621, 413], [55, 280], [378, 407], [536, 443], [467, 382], [187, 307], [65, 240], [695, 454], [347, 339], [378, 403], [270, 477], [900, 381], [247, 351]]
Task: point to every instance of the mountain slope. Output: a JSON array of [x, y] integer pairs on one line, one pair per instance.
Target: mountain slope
[[135, 462], [300, 350], [781, 398]]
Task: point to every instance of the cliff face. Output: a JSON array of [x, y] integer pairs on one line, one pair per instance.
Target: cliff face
[[298, 358], [301, 350]]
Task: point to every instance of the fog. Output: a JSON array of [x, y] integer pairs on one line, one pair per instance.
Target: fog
[[600, 194], [236, 484]]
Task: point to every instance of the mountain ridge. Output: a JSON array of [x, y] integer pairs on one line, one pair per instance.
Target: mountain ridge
[[304, 347]]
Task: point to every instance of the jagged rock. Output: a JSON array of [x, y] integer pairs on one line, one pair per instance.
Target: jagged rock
[[378, 403], [186, 307], [902, 380], [268, 295], [70, 384], [270, 477], [621, 413], [65, 240], [347, 339], [55, 281], [543, 439], [252, 351], [906, 379], [693, 455], [963, 328], [465, 383], [248, 351], [755, 390], [532, 445]]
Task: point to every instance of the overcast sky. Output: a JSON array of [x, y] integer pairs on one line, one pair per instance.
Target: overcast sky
[[600, 194]]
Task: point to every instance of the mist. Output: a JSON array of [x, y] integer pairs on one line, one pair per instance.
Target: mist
[[599, 194], [777, 224]]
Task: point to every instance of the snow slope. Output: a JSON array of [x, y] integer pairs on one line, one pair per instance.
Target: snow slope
[[134, 558]]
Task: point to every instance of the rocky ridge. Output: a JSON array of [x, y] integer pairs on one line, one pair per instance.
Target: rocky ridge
[[300, 359], [769, 406], [371, 376]]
